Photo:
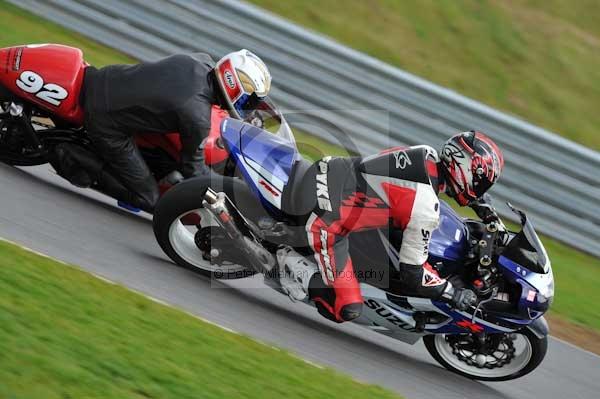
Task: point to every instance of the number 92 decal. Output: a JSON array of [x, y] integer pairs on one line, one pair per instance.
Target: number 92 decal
[[31, 82]]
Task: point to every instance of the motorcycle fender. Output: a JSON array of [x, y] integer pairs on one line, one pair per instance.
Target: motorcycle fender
[[539, 327]]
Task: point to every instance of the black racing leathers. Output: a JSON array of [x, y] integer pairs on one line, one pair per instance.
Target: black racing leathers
[[174, 94]]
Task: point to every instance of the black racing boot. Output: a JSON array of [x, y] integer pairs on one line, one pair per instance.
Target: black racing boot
[[85, 169], [76, 164], [107, 184]]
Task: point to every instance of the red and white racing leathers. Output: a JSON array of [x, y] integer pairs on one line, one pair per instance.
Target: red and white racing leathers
[[396, 188]]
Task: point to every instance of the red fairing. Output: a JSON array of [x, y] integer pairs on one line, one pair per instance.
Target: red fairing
[[171, 143], [48, 75], [214, 153]]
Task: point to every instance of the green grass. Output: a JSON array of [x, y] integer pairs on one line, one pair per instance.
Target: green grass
[[66, 334], [577, 278], [539, 59]]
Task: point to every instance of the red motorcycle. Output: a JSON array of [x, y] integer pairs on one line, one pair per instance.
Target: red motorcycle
[[40, 108]]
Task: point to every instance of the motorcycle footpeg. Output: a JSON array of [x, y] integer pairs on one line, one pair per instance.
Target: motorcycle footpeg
[[420, 321]]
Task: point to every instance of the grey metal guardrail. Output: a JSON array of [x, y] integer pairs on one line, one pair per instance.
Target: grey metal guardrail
[[556, 180]]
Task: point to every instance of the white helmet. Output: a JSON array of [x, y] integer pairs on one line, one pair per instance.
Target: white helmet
[[244, 80]]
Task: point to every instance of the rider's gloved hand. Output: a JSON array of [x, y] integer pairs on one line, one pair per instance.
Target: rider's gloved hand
[[459, 298], [463, 298], [484, 209]]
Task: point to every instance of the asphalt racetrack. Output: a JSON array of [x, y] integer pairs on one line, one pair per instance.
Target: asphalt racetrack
[[41, 211]]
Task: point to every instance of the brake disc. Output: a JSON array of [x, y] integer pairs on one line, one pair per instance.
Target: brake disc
[[498, 350]]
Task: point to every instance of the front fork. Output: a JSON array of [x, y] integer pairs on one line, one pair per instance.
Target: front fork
[[239, 230], [18, 113]]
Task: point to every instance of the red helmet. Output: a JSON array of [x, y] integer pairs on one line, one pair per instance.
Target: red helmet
[[472, 163]]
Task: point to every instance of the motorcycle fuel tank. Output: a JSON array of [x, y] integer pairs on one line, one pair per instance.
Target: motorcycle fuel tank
[[48, 75]]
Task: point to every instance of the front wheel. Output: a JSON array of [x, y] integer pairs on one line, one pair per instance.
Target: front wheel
[[188, 233], [498, 357]]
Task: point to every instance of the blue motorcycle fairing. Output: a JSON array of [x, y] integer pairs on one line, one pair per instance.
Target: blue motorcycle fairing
[[265, 159], [449, 244], [449, 241], [462, 322], [537, 289]]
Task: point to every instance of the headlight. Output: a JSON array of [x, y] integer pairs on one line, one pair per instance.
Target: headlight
[[546, 292]]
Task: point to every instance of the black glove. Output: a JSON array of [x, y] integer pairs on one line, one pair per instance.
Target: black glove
[[484, 209], [463, 298]]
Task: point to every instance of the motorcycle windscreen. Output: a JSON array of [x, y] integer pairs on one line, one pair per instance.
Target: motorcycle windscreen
[[262, 112], [526, 249]]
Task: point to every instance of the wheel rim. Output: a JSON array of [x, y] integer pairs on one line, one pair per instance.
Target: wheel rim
[[182, 239], [523, 352]]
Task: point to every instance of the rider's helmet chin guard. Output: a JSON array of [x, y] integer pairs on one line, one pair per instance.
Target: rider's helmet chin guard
[[471, 164], [244, 81]]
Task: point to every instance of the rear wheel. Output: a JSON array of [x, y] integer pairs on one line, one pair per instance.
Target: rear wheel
[[499, 357], [190, 236]]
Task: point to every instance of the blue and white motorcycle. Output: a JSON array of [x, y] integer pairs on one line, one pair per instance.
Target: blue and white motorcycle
[[214, 226]]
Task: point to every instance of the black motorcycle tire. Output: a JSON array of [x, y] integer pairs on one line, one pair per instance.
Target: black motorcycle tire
[[185, 197], [539, 347]]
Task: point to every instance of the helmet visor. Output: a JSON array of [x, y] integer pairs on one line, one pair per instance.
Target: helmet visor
[[246, 104]]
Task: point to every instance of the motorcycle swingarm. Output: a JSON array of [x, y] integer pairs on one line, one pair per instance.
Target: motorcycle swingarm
[[239, 230]]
